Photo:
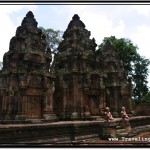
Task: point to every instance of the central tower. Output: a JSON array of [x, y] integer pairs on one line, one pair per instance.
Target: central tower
[[77, 86]]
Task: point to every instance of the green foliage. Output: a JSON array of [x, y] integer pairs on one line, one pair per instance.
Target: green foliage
[[125, 49], [134, 64], [53, 37], [140, 75], [146, 98]]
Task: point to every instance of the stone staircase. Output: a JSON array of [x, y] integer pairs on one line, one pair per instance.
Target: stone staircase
[[121, 133], [127, 132]]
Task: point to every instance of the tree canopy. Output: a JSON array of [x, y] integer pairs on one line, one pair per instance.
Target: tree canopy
[[125, 49], [146, 98], [53, 37], [140, 74], [135, 64]]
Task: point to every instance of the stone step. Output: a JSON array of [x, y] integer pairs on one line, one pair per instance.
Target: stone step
[[36, 121], [131, 134], [97, 118], [123, 134], [121, 131], [118, 127]]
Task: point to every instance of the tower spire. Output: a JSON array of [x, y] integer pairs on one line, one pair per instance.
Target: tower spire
[[76, 22], [29, 20]]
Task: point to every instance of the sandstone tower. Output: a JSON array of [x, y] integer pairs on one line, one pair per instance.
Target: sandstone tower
[[87, 82], [77, 91], [117, 84], [25, 80]]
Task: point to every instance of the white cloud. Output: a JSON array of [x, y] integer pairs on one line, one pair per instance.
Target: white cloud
[[98, 22], [7, 27], [101, 26], [6, 9], [142, 9], [101, 21], [142, 37]]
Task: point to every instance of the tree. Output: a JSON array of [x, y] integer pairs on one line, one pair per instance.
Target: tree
[[140, 77], [53, 37], [125, 49], [146, 98], [134, 64]]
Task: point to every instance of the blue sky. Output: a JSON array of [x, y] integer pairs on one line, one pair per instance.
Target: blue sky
[[122, 21]]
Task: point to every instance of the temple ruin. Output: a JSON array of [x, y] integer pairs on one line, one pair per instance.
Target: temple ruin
[[79, 96], [79, 84], [26, 85], [87, 82]]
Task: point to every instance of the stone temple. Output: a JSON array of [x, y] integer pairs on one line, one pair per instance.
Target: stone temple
[[26, 85], [79, 84], [87, 82]]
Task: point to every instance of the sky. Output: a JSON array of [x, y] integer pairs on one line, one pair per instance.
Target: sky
[[121, 21]]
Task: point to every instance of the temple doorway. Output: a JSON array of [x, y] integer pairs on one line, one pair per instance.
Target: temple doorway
[[33, 107], [93, 104]]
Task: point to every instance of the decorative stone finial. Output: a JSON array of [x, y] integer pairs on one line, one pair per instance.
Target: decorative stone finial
[[108, 45], [76, 22], [30, 14], [76, 17], [29, 20]]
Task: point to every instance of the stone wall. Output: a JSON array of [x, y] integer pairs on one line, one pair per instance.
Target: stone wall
[[142, 110], [70, 132], [52, 133]]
